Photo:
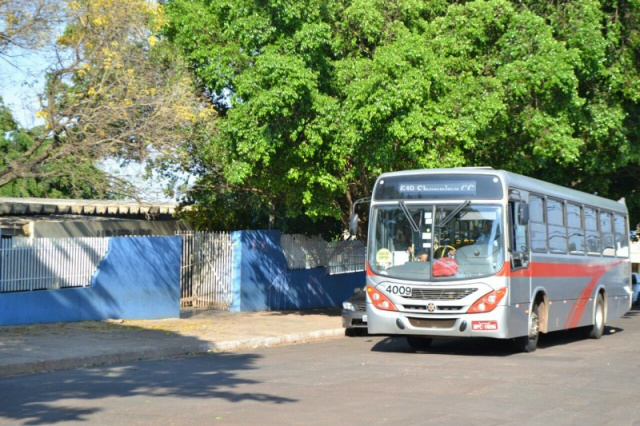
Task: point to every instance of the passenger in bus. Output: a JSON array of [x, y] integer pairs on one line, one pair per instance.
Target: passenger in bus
[[420, 255], [401, 240]]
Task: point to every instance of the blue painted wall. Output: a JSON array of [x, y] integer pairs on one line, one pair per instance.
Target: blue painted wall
[[262, 281], [139, 278]]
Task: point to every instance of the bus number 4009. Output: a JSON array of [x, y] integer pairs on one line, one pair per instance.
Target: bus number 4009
[[402, 290]]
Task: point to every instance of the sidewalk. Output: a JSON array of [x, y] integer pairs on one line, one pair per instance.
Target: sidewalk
[[47, 347]]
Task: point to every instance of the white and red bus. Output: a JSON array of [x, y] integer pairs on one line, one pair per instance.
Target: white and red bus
[[477, 252]]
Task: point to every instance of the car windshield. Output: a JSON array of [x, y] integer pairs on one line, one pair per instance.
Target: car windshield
[[433, 242]]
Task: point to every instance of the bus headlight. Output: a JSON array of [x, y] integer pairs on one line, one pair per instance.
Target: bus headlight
[[488, 302], [379, 300]]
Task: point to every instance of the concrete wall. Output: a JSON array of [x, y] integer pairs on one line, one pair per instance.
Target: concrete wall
[[79, 226], [262, 281], [139, 278]]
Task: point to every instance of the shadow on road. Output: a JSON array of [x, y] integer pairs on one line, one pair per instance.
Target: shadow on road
[[487, 347], [326, 312], [464, 347], [633, 312], [565, 337], [41, 399], [208, 313]]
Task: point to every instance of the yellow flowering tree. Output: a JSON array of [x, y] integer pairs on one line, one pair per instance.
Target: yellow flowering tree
[[115, 91], [26, 24]]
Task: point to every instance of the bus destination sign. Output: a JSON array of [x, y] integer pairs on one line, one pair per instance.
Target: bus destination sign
[[452, 187], [439, 187]]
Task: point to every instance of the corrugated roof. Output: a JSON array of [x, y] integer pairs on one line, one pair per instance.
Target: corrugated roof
[[29, 206]]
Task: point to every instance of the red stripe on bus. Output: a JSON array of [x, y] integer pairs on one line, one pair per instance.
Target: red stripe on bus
[[540, 269], [573, 319]]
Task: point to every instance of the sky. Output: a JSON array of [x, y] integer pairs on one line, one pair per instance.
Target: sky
[[21, 80]]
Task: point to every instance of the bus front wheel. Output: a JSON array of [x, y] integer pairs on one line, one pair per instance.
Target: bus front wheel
[[529, 343]]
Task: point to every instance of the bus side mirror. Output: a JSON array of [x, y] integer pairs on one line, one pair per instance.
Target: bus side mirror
[[523, 214], [353, 224]]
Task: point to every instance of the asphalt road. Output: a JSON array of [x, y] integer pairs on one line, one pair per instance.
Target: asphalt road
[[356, 381]]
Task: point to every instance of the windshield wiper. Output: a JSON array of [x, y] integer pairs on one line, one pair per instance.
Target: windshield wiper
[[452, 214], [412, 222]]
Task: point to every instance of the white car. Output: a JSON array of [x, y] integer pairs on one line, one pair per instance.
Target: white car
[[635, 285]]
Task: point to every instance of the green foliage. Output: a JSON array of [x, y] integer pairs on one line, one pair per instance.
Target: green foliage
[[56, 182], [319, 97]]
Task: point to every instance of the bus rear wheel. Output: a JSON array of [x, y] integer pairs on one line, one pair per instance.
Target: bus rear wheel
[[597, 329], [529, 343], [419, 343]]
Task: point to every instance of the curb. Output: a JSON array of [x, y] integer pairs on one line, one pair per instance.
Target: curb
[[20, 369]]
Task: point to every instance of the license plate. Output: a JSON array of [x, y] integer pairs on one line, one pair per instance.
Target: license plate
[[364, 318], [484, 325]]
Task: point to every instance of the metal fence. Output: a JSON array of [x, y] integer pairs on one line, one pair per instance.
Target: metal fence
[[49, 263], [205, 274], [345, 256], [337, 257], [303, 252]]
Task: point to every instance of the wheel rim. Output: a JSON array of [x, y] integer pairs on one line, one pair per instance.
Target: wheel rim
[[599, 316]]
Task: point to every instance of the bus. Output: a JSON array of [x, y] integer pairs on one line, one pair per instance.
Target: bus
[[478, 252]]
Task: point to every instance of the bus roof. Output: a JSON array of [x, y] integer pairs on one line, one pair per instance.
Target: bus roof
[[525, 183]]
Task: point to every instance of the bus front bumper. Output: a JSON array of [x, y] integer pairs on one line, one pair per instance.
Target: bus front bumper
[[493, 324]]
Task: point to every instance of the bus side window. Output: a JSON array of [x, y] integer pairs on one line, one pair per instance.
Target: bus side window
[[557, 229], [606, 230], [519, 237], [591, 227], [576, 230], [622, 239], [537, 224]]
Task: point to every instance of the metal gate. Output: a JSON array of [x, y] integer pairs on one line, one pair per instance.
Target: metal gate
[[205, 273]]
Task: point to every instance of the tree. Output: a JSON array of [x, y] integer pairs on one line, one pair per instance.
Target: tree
[[26, 24], [317, 98], [115, 91], [605, 35], [14, 141]]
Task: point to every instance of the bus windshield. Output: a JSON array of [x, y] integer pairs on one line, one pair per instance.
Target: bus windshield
[[437, 242]]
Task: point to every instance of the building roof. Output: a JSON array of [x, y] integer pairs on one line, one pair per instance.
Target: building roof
[[48, 206]]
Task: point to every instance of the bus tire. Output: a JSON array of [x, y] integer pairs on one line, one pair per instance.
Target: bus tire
[[419, 343], [529, 343], [597, 329]]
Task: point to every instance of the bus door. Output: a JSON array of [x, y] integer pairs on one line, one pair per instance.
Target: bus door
[[520, 282]]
